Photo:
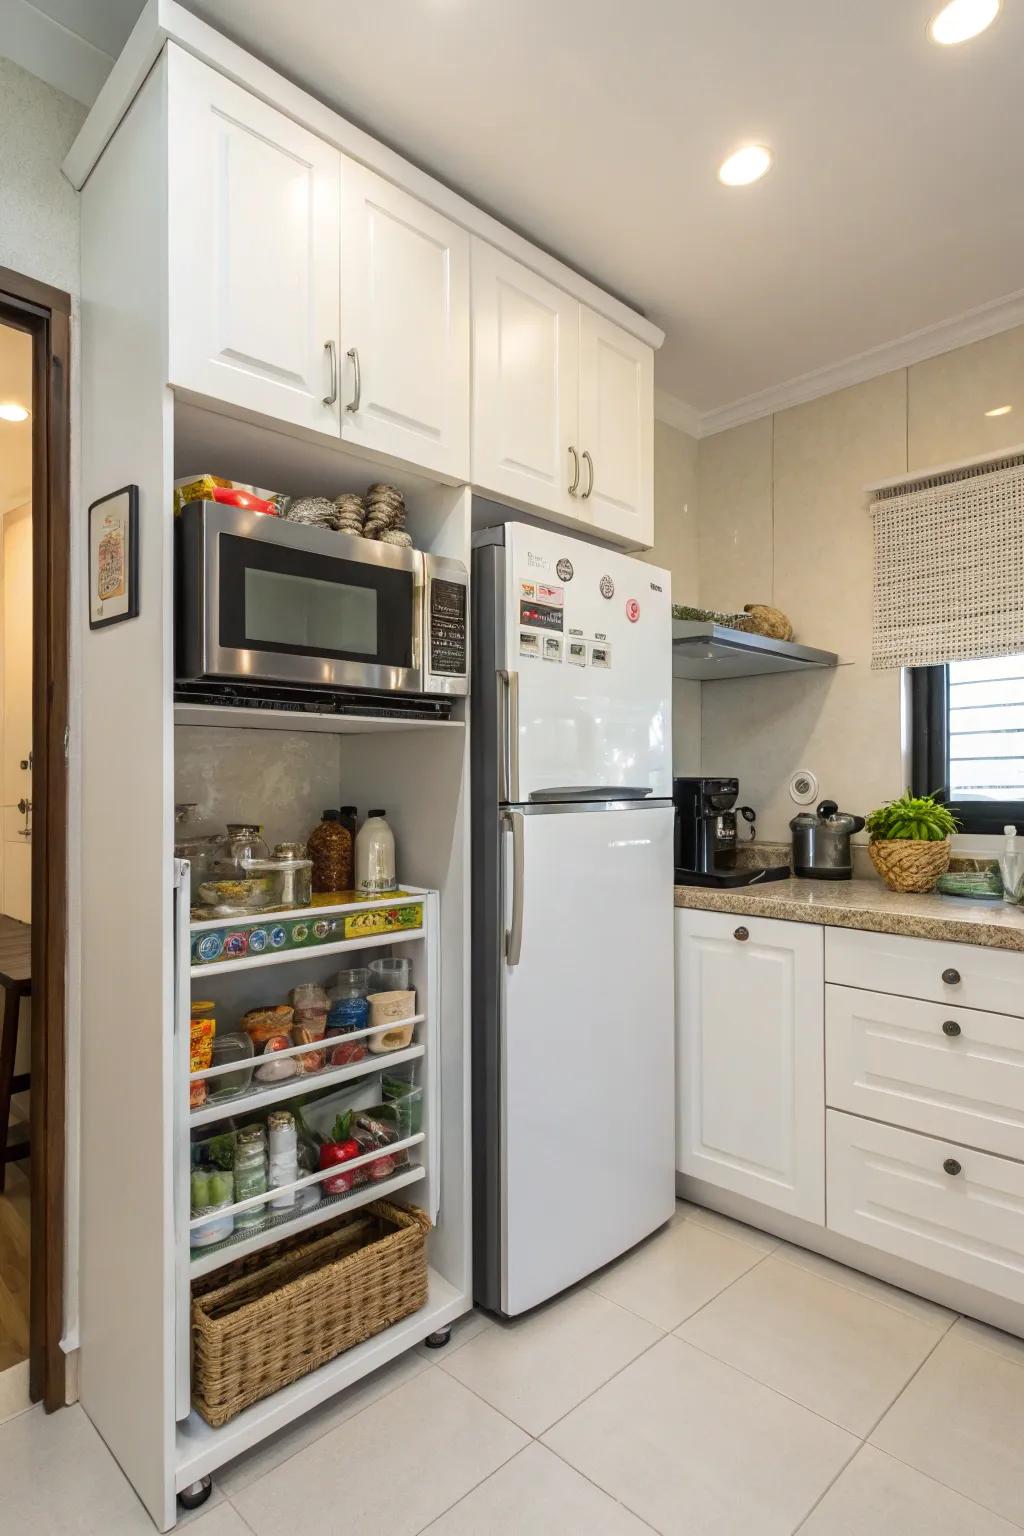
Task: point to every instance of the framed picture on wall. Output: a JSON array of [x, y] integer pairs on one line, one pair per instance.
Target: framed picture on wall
[[114, 558]]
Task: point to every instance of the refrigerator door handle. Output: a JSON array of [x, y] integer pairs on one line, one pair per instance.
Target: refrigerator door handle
[[508, 747], [514, 933]]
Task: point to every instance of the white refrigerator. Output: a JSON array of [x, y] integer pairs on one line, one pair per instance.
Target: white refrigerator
[[573, 1036]]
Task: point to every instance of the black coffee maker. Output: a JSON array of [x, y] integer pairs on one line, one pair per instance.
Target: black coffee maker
[[706, 835]]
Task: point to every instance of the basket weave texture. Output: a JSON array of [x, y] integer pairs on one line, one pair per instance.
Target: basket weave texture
[[258, 1326], [908, 864]]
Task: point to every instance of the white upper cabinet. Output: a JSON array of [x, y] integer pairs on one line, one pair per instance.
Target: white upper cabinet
[[749, 1013], [404, 326], [525, 386], [616, 430], [254, 267]]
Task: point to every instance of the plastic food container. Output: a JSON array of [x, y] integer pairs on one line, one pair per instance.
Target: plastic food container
[[391, 1008], [263, 1024], [212, 1190], [392, 974], [230, 1048]]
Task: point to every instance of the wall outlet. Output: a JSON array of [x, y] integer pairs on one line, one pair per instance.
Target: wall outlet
[[803, 786]]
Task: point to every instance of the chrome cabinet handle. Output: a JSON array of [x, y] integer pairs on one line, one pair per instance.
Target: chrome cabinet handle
[[514, 932], [576, 471], [741, 933], [951, 1028], [590, 482], [332, 352], [951, 977], [353, 404]]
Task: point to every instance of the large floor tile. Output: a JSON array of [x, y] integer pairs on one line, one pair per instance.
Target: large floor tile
[[463, 1330], [692, 1446], [536, 1494], [222, 1521], [391, 1469], [263, 1458], [961, 1420], [867, 1285], [832, 1349], [673, 1273], [764, 1242], [537, 1367], [879, 1495], [1006, 1344], [57, 1475]]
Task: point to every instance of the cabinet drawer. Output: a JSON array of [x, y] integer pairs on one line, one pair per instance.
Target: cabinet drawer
[[889, 1188], [967, 974], [931, 1067]]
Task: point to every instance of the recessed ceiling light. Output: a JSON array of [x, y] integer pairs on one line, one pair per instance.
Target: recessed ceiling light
[[962, 19], [748, 164], [11, 412], [999, 410]]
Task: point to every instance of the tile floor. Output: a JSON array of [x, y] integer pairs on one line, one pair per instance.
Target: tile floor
[[713, 1382]]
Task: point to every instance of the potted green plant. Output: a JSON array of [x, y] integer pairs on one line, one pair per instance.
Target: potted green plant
[[910, 844]]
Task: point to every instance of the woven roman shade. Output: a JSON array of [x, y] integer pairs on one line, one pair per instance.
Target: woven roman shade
[[949, 566]]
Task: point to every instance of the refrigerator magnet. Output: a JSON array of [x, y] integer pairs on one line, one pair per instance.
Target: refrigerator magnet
[[552, 647], [577, 653], [600, 655], [529, 645]]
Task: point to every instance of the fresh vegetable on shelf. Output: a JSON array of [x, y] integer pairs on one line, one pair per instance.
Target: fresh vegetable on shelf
[[341, 1149]]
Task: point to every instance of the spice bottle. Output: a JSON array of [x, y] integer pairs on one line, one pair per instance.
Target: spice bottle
[[284, 1162], [375, 857], [330, 848]]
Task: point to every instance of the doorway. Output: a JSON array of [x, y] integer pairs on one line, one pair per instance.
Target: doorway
[[34, 634]]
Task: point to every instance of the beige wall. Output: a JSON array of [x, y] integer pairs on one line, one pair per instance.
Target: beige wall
[[38, 208], [676, 549], [783, 518]]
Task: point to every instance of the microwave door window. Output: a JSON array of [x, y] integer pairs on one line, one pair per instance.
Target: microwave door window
[[279, 600], [310, 615]]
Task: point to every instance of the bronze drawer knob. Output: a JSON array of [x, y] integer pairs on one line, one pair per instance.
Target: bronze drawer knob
[[741, 934], [951, 1028], [951, 1166], [950, 976]]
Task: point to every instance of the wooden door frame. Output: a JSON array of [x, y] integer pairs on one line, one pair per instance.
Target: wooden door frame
[[45, 313]]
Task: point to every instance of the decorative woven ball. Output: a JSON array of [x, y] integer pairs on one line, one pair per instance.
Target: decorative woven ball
[[909, 864], [771, 622]]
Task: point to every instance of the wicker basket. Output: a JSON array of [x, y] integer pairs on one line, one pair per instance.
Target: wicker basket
[[258, 1326], [909, 864]]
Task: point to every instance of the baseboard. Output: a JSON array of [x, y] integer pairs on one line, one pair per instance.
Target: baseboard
[[954, 1294]]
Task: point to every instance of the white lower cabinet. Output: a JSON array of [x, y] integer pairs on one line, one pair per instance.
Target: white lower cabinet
[[751, 1103], [948, 1208]]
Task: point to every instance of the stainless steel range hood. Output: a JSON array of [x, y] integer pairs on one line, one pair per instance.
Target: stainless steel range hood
[[706, 652]]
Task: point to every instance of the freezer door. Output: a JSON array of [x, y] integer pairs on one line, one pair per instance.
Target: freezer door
[[588, 634], [586, 1110]]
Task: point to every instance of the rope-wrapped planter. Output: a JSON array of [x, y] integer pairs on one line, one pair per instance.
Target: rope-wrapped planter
[[909, 864], [255, 1329]]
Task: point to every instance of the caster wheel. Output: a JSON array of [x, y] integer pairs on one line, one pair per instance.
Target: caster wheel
[[196, 1493], [439, 1339]]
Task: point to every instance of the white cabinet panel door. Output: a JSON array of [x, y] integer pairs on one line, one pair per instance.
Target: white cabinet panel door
[[965, 975], [751, 1102], [616, 430], [943, 1206], [525, 385], [405, 316], [932, 1067], [254, 251]]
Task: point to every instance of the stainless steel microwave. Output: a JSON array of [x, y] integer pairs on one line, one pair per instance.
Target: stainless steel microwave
[[263, 600]]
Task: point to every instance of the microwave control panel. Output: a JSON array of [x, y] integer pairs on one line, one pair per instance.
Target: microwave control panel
[[447, 627]]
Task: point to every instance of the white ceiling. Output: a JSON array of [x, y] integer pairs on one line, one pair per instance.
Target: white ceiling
[[15, 436], [595, 128]]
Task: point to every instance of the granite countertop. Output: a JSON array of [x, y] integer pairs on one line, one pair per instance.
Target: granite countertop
[[866, 903]]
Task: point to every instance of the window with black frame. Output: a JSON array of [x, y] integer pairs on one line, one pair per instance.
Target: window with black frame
[[967, 739]]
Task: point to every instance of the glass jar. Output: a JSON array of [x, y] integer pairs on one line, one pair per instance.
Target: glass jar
[[329, 847], [250, 1173], [349, 1009], [195, 841], [241, 877], [296, 874], [243, 845]]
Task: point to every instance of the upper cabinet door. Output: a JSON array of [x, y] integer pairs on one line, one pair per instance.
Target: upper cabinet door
[[616, 431], [525, 385], [254, 252], [405, 326]]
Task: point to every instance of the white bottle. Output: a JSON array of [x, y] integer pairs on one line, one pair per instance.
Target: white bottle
[[1011, 868], [375, 857]]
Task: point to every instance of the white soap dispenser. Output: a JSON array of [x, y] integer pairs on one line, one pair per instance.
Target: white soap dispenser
[[375, 857], [1011, 868]]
